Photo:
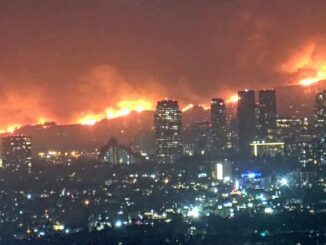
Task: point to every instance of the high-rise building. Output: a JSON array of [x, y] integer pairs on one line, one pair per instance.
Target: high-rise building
[[246, 120], [218, 122], [294, 132], [267, 114], [16, 151], [320, 112], [167, 123]]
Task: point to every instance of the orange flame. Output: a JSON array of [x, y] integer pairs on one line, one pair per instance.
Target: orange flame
[[42, 120], [187, 107], [233, 99], [321, 75], [10, 129], [90, 119], [206, 107], [308, 82], [123, 108]]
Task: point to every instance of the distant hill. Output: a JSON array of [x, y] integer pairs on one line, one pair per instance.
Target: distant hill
[[290, 98], [80, 137]]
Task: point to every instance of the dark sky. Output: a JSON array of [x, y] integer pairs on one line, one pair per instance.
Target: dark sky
[[62, 58]]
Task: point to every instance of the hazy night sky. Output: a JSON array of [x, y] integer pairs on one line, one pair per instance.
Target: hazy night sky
[[62, 58]]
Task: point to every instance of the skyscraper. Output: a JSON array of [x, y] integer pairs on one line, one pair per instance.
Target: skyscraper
[[218, 122], [167, 123], [320, 112], [267, 114], [246, 120], [16, 151]]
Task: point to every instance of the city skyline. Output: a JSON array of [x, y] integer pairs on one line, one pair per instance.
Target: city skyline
[[126, 107], [162, 122]]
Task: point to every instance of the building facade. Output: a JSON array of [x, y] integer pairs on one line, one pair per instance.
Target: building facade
[[16, 151], [267, 149], [246, 120], [167, 123], [320, 113], [218, 126], [266, 114]]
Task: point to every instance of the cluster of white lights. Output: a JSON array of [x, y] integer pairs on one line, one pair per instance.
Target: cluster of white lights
[[193, 212]]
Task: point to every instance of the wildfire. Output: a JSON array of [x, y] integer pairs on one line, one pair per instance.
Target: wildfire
[[42, 120], [187, 107], [321, 75], [308, 81], [233, 99], [123, 108], [190, 106], [90, 119], [10, 129], [206, 107]]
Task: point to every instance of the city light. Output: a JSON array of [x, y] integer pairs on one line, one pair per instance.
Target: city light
[[58, 227], [284, 181], [118, 224], [193, 212], [251, 175], [268, 210]]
